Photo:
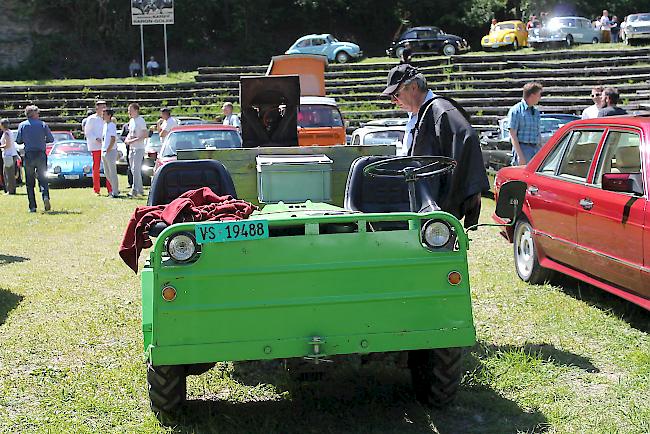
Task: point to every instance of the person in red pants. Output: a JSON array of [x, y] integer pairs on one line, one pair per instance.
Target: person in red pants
[[93, 129]]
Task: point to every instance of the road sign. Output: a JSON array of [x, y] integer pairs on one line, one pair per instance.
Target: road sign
[[144, 12]]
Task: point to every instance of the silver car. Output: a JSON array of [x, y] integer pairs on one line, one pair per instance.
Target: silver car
[[566, 31]]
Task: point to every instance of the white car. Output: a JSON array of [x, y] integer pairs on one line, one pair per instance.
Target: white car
[[378, 135], [637, 28]]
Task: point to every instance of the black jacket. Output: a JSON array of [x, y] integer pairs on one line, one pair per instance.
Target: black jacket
[[443, 128]]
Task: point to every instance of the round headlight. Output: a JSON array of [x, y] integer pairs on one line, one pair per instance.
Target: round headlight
[[57, 169], [86, 169], [436, 233], [508, 38], [181, 247]]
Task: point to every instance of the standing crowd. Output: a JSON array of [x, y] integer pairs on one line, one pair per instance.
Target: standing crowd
[[524, 118]]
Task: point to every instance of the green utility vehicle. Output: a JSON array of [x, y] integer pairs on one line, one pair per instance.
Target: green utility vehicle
[[385, 273]]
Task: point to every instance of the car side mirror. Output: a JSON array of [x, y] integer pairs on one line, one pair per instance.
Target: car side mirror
[[511, 200], [509, 205], [623, 182]]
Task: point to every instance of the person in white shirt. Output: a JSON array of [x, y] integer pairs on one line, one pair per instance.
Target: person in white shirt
[[9, 157], [152, 66], [109, 153], [93, 130], [138, 132], [591, 112], [605, 27], [229, 118], [165, 123]]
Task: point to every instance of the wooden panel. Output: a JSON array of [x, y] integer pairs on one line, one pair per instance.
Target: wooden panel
[[241, 164]]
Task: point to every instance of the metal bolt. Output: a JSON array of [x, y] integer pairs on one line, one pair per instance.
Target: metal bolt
[[267, 350], [364, 343]]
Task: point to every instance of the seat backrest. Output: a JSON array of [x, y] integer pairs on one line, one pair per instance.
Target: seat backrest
[[628, 159], [177, 177], [372, 194]]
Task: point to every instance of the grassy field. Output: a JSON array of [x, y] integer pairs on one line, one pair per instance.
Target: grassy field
[[562, 358], [172, 77]]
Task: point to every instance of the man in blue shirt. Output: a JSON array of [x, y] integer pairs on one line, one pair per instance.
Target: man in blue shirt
[[524, 123], [34, 133]]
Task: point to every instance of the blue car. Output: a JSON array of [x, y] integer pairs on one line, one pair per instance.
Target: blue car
[[70, 161], [326, 45]]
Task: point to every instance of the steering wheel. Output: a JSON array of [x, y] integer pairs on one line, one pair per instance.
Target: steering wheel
[[410, 168]]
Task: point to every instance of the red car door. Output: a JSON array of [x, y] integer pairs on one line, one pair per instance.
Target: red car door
[[611, 224], [554, 192]]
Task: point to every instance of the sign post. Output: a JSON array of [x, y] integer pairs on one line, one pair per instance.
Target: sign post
[[142, 70], [146, 12]]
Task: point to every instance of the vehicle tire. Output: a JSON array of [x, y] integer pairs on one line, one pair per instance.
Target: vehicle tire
[[525, 255], [595, 41], [515, 45], [435, 375], [167, 390], [568, 41], [448, 50], [398, 52], [342, 57]]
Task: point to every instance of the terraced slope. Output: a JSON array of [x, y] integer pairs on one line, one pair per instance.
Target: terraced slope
[[487, 85]]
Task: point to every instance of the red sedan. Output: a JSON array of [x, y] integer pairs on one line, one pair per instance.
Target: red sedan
[[586, 212], [59, 136], [196, 137]]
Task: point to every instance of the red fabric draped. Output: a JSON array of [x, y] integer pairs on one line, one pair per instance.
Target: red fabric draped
[[193, 206]]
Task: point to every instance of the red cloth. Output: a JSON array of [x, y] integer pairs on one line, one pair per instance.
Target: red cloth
[[192, 206]]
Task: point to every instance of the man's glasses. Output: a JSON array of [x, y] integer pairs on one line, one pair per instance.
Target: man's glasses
[[395, 95], [594, 95]]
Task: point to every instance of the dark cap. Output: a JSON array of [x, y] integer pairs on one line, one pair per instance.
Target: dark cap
[[397, 76]]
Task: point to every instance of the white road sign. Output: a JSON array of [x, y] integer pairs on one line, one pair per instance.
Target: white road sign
[[145, 12]]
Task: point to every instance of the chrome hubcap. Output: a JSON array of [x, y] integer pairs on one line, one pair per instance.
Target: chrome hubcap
[[525, 252]]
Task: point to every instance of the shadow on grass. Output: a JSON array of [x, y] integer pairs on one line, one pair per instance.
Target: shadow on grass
[[8, 302], [372, 398], [62, 212], [10, 259], [632, 314]]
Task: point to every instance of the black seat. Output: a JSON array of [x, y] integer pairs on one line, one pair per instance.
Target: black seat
[[370, 194], [177, 177]]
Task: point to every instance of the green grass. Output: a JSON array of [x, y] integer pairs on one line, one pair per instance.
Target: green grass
[[171, 78], [558, 359]]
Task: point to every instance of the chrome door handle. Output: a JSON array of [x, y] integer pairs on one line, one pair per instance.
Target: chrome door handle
[[586, 204], [533, 190]]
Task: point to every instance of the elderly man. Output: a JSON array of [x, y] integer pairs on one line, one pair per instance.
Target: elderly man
[[441, 128], [35, 133], [229, 118], [524, 124]]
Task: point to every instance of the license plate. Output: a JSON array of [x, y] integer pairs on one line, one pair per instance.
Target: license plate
[[221, 232], [495, 46], [71, 176]]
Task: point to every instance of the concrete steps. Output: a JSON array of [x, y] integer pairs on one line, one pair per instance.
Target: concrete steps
[[487, 85]]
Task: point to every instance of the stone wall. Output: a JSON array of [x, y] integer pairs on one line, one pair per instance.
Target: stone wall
[[15, 35]]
